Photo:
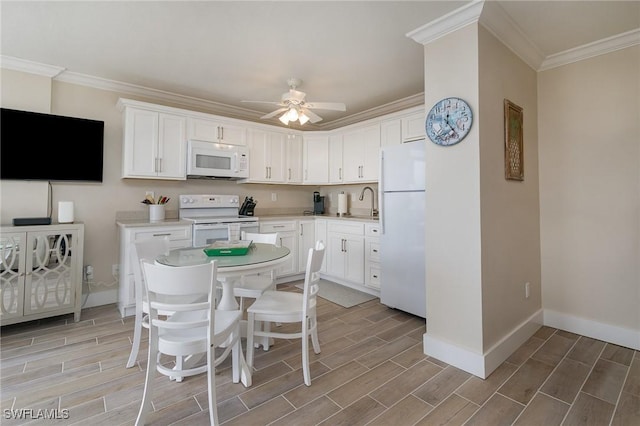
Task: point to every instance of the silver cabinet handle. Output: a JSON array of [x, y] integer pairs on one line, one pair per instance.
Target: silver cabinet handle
[[289, 174], [340, 173], [266, 172], [301, 230], [375, 251], [278, 226]]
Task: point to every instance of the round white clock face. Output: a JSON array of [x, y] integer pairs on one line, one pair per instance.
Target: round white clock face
[[449, 121]]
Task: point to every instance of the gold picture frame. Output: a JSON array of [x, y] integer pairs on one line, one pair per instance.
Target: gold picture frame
[[513, 143]]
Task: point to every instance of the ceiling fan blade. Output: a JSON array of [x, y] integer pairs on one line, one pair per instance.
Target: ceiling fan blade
[[336, 106], [274, 113], [313, 117], [265, 102]]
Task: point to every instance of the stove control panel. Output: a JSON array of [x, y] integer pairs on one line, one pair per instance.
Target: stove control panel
[[200, 201]]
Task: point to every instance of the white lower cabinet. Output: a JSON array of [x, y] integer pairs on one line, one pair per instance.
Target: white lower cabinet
[[179, 236], [345, 250], [287, 237], [40, 272], [306, 240], [321, 234], [372, 256]]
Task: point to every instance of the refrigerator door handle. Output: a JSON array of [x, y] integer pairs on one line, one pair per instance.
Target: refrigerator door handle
[[381, 193]]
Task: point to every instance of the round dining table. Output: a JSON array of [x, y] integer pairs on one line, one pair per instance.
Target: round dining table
[[259, 259]]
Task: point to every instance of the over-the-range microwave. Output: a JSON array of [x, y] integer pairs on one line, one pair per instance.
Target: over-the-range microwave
[[216, 160]]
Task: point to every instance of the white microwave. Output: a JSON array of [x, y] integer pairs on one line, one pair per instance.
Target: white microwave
[[216, 160]]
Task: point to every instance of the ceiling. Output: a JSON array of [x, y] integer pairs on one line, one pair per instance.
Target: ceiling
[[216, 54]]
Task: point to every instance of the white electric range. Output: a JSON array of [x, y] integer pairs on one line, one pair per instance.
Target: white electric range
[[211, 215]]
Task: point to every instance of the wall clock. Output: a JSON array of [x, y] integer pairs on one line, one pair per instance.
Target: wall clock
[[449, 121]]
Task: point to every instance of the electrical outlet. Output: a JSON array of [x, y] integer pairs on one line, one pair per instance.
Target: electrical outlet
[[274, 196], [88, 272], [115, 270]]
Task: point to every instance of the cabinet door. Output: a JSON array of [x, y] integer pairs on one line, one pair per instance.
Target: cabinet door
[[336, 170], [258, 168], [140, 150], [203, 129], [232, 134], [12, 274], [336, 261], [354, 259], [370, 143], [391, 132], [289, 239], [172, 147], [352, 156], [413, 127], [306, 241], [316, 159], [51, 285], [321, 234], [294, 159], [277, 157]]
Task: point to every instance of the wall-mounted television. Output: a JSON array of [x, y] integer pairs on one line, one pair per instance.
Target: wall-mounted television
[[36, 146]]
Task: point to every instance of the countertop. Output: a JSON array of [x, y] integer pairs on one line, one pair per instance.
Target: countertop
[[137, 222], [272, 217]]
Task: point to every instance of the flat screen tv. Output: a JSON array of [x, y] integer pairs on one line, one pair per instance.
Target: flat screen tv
[[35, 146]]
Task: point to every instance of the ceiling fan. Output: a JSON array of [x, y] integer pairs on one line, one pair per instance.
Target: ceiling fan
[[294, 107]]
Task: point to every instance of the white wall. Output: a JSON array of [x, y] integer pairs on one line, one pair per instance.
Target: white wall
[[589, 129]]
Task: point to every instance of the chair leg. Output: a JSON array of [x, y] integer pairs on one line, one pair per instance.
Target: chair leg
[[250, 330], [211, 386], [135, 346], [152, 360], [305, 355], [314, 335], [266, 327]]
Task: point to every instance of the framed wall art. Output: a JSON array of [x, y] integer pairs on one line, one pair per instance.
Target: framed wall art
[[513, 143]]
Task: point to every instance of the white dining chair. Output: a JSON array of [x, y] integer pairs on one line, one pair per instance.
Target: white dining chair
[[290, 307], [195, 327], [144, 249]]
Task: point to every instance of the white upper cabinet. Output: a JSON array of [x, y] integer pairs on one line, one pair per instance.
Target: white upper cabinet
[[336, 170], [413, 127], [391, 132], [266, 156], [207, 130], [294, 150], [316, 159], [155, 145], [360, 150]]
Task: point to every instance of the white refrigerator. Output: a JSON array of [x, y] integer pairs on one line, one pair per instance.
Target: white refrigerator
[[402, 216]]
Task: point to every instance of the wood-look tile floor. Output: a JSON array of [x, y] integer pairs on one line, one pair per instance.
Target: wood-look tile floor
[[371, 371]]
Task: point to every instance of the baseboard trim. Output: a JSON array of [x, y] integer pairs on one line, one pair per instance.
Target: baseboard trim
[[616, 335], [482, 365]]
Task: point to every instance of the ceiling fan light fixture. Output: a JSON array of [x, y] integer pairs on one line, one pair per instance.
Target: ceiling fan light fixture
[[303, 118], [292, 114], [284, 118]]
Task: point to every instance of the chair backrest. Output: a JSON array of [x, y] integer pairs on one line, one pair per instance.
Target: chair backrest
[[149, 249], [271, 238], [312, 276], [186, 291]]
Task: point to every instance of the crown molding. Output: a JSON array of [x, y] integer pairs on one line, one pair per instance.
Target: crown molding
[[505, 29], [159, 95], [600, 47], [22, 65], [448, 23]]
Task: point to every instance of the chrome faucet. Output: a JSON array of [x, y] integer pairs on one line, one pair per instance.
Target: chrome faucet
[[374, 211]]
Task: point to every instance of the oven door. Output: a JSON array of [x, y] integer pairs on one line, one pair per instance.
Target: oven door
[[205, 234], [215, 160]]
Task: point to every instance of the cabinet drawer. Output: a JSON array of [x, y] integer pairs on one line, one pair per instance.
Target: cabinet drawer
[[174, 233], [266, 227], [343, 227], [373, 251], [374, 275], [372, 230]]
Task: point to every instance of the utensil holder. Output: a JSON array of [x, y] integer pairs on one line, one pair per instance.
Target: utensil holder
[[156, 212]]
